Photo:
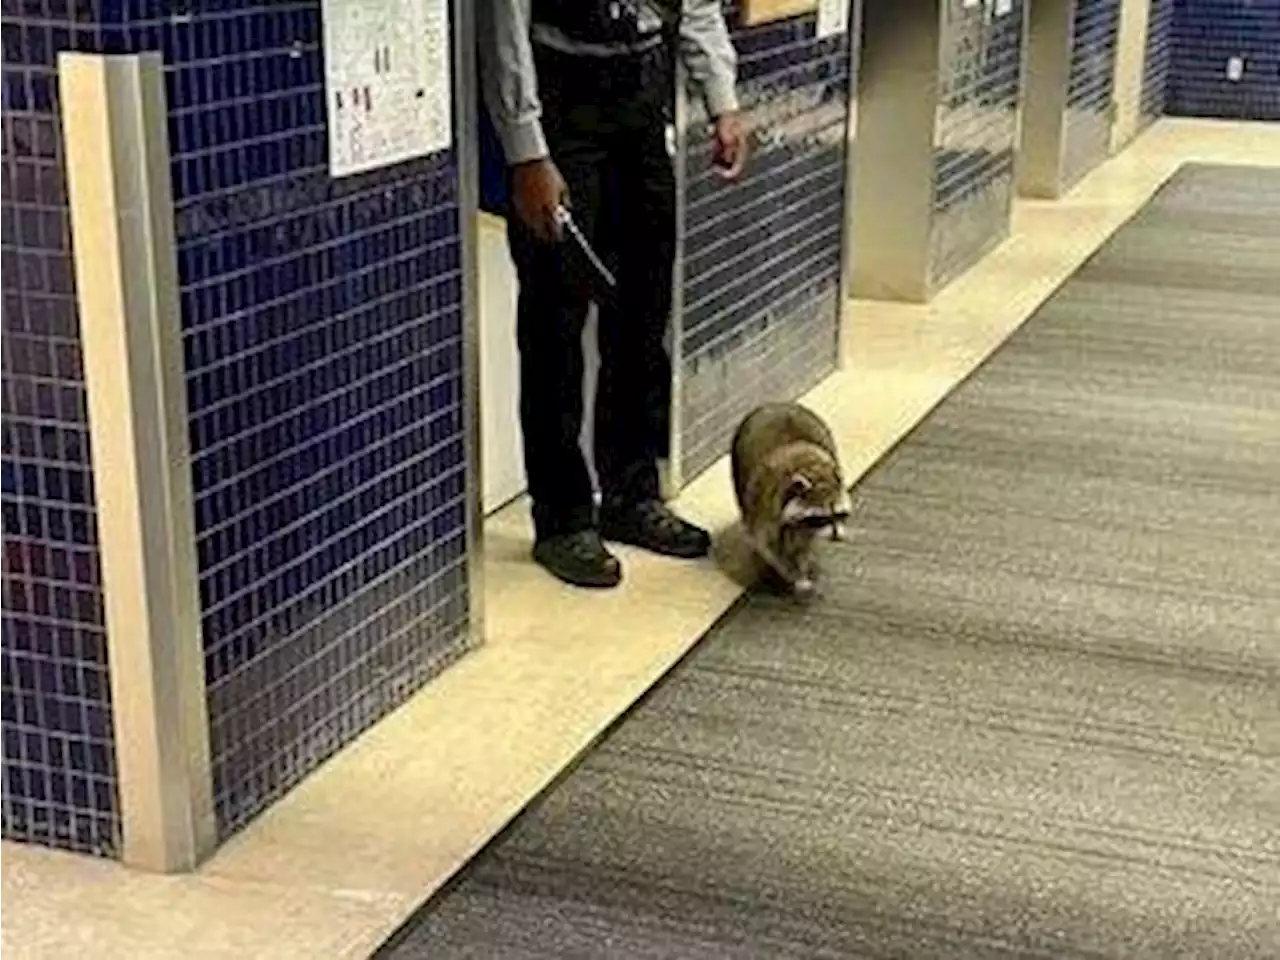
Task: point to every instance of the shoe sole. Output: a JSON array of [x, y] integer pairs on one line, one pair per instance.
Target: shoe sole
[[585, 584], [692, 554], [582, 584]]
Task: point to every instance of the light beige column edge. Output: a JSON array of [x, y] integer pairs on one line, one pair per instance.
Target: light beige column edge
[[1131, 60], [465, 101], [117, 158]]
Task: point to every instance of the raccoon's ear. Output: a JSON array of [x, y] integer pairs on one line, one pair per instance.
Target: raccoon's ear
[[799, 486]]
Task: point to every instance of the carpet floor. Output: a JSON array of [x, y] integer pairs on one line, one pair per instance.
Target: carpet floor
[[1035, 711]]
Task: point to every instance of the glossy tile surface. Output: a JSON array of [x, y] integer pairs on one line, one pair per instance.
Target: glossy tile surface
[[975, 132], [60, 786], [322, 321], [337, 864], [323, 334], [761, 266], [1157, 61], [1206, 35], [1086, 138]]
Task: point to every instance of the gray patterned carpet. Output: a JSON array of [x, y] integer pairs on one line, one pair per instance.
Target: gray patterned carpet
[[1035, 713]]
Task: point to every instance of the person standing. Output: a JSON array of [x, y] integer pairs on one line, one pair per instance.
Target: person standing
[[579, 92]]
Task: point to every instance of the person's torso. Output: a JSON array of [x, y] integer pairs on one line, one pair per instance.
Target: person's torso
[[603, 27]]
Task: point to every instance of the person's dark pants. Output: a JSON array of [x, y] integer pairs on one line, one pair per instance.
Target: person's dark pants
[[605, 121]]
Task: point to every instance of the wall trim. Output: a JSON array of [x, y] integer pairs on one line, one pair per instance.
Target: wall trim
[[115, 123], [467, 147]]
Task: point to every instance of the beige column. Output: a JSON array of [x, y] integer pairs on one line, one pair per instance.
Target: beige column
[[117, 157]]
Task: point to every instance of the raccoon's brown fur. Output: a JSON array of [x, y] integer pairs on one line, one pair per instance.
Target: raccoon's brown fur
[[787, 477]]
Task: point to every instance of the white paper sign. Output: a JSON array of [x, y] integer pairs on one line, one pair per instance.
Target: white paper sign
[[388, 72], [1004, 7], [833, 17]]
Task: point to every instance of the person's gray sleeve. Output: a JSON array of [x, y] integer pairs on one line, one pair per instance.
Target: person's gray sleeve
[[508, 79], [709, 56]]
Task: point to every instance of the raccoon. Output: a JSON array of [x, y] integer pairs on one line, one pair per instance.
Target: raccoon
[[787, 477]]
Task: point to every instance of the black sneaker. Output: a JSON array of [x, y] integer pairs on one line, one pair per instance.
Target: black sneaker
[[651, 526], [579, 559]]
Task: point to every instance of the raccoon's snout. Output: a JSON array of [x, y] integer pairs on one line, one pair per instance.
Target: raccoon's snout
[[815, 521], [838, 519]]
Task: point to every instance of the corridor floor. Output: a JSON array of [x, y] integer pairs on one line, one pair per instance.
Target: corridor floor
[[342, 861], [1036, 709]]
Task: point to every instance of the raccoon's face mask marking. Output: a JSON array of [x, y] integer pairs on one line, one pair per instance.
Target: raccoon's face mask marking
[[843, 508], [807, 506]]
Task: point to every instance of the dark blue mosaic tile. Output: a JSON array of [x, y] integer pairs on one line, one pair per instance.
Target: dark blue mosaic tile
[[1156, 62], [980, 73], [323, 336], [1206, 35], [323, 343], [59, 786], [762, 257], [1087, 124]]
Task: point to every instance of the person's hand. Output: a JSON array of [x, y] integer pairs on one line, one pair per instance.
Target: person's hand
[[729, 150], [537, 191]]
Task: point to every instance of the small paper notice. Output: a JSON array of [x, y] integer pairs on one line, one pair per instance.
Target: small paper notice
[[1003, 7], [388, 82], [833, 17]]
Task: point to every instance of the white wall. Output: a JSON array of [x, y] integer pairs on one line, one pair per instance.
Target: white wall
[[502, 470]]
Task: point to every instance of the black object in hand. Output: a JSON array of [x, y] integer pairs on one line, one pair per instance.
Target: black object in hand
[[571, 229]]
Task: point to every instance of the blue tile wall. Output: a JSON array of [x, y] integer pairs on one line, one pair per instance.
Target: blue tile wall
[[1086, 140], [1157, 61], [59, 784], [323, 333], [1207, 33], [323, 326], [762, 257], [980, 73]]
